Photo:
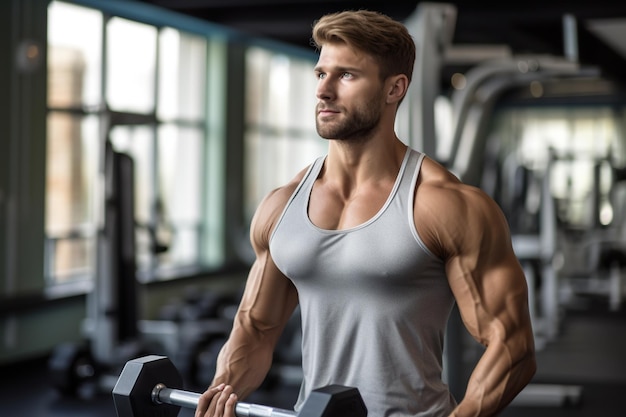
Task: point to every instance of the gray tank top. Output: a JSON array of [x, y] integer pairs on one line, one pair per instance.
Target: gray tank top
[[374, 301]]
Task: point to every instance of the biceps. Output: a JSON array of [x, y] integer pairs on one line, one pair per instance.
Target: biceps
[[492, 299], [269, 298]]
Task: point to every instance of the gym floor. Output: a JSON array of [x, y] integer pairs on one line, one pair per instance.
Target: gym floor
[[589, 352]]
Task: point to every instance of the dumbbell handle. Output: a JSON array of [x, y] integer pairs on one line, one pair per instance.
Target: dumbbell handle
[[162, 394]]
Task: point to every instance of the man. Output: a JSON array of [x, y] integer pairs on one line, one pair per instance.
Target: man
[[375, 242]]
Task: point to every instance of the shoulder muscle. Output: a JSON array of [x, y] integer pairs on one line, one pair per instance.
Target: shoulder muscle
[[269, 211], [456, 218]]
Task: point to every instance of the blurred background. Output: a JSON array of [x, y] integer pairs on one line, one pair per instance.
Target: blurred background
[[139, 137]]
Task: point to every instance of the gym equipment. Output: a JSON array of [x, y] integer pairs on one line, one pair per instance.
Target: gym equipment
[[463, 152], [148, 386], [111, 331], [72, 368]]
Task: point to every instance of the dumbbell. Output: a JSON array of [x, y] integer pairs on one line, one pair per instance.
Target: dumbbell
[[149, 387]]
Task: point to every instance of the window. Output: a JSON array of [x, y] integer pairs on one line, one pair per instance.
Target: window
[[143, 89], [74, 78], [578, 146], [130, 66]]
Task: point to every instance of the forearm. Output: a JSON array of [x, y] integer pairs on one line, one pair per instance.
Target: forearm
[[496, 380], [267, 304], [244, 361]]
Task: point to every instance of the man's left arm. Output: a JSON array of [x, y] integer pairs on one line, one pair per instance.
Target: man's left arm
[[492, 295]]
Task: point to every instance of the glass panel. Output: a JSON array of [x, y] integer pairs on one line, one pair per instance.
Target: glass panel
[[131, 65], [74, 55], [180, 173], [180, 152], [580, 138], [257, 64], [277, 100], [301, 93], [273, 160], [280, 112], [185, 246], [71, 185], [71, 258], [182, 75]]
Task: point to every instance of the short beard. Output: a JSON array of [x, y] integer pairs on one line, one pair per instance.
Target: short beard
[[355, 129], [358, 127]]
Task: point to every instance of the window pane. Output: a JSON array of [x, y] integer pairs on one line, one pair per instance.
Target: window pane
[[280, 113], [273, 160], [257, 65], [180, 171], [302, 96], [280, 90], [71, 258], [131, 65], [71, 181], [184, 247], [74, 55], [182, 75], [180, 150], [579, 137]]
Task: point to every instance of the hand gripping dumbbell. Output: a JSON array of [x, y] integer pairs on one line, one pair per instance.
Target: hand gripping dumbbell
[[148, 387]]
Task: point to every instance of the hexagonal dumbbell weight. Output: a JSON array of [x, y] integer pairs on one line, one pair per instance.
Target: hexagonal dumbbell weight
[[148, 387]]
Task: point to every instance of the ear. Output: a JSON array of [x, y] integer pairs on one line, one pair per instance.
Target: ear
[[397, 86]]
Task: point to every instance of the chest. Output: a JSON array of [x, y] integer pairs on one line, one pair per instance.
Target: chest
[[380, 249], [331, 209]]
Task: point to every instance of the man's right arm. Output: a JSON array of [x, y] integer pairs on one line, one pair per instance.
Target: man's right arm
[[268, 302]]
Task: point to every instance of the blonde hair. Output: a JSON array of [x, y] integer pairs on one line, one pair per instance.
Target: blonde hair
[[386, 40]]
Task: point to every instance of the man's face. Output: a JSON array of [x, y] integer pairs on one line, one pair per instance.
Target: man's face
[[349, 92]]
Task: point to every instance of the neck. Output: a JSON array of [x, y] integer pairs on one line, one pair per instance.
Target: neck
[[350, 165]]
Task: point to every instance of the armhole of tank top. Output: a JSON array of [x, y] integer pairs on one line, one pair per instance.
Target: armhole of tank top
[[295, 192], [411, 206]]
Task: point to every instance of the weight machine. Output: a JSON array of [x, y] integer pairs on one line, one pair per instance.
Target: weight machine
[[113, 331], [490, 77]]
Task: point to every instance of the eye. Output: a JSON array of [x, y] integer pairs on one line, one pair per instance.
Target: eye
[[347, 75], [320, 75]]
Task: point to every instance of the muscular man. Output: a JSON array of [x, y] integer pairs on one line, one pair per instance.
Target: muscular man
[[376, 241]]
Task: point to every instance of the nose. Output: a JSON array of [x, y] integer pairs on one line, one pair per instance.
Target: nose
[[324, 90]]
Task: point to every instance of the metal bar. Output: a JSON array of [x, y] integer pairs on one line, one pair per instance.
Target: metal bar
[[570, 37], [161, 394], [255, 410]]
